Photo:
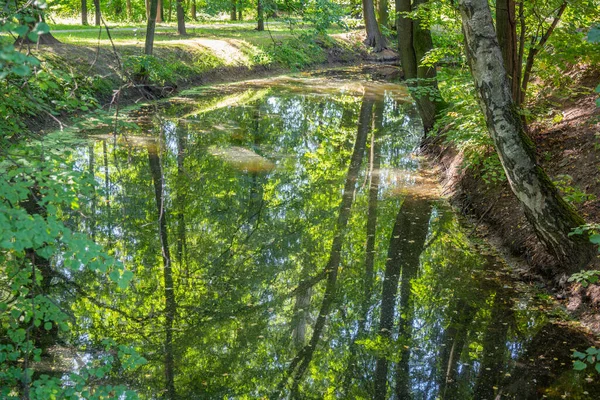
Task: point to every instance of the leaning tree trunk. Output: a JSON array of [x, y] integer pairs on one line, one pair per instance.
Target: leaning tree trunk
[[551, 217], [374, 37], [180, 19]]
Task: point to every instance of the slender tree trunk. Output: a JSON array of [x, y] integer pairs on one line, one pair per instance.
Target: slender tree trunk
[[148, 7], [551, 217], [240, 17], [382, 10], [404, 26], [193, 10], [170, 306], [506, 31], [128, 9], [159, 11], [233, 10], [170, 11], [374, 37], [180, 19], [150, 28], [260, 13], [84, 12], [97, 12]]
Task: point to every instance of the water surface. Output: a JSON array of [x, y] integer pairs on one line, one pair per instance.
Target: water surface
[[288, 242]]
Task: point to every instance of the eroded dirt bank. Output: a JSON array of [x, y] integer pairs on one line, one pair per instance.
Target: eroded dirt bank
[[569, 151]]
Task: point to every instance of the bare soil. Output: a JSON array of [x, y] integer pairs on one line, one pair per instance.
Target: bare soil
[[568, 145]]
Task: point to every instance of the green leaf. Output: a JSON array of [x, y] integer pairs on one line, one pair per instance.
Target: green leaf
[[578, 354], [579, 366], [115, 276], [48, 326], [595, 239], [598, 367]]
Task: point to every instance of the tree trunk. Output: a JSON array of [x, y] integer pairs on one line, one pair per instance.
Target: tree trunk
[[404, 26], [382, 11], [150, 28], [84, 12], [170, 306], [233, 10], [193, 10], [180, 19], [240, 17], [551, 217], [506, 31], [261, 20], [129, 9], [159, 11], [97, 12], [374, 37]]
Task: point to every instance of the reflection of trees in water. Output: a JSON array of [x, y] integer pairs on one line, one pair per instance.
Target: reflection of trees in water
[[300, 363]]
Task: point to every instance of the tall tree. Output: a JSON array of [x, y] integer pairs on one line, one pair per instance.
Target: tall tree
[[150, 27], [552, 218], [180, 18], [374, 37], [84, 12], [260, 16], [97, 13], [506, 30], [382, 11], [414, 41]]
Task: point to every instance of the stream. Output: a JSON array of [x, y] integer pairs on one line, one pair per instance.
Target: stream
[[288, 242]]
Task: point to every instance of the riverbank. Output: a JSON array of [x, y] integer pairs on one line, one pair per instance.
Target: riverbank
[[91, 69], [568, 149]]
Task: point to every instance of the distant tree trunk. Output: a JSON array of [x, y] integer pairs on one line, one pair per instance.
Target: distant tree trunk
[[180, 19], [170, 305], [382, 8], [148, 7], [240, 17], [551, 217], [193, 10], [233, 10], [150, 28], [84, 12], [97, 12], [129, 10], [506, 31], [404, 26], [260, 12], [374, 37], [159, 11]]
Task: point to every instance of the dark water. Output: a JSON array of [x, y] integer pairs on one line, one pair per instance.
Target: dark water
[[287, 242]]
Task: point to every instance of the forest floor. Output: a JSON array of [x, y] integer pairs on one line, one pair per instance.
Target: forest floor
[[567, 141], [109, 63]]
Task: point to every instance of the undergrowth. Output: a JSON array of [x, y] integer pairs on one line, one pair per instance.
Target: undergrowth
[[463, 125]]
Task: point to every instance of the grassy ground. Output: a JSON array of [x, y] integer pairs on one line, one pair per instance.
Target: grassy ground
[[83, 71]]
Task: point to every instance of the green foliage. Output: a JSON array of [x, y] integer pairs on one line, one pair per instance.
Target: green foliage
[[570, 193], [585, 278], [463, 125], [589, 358]]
